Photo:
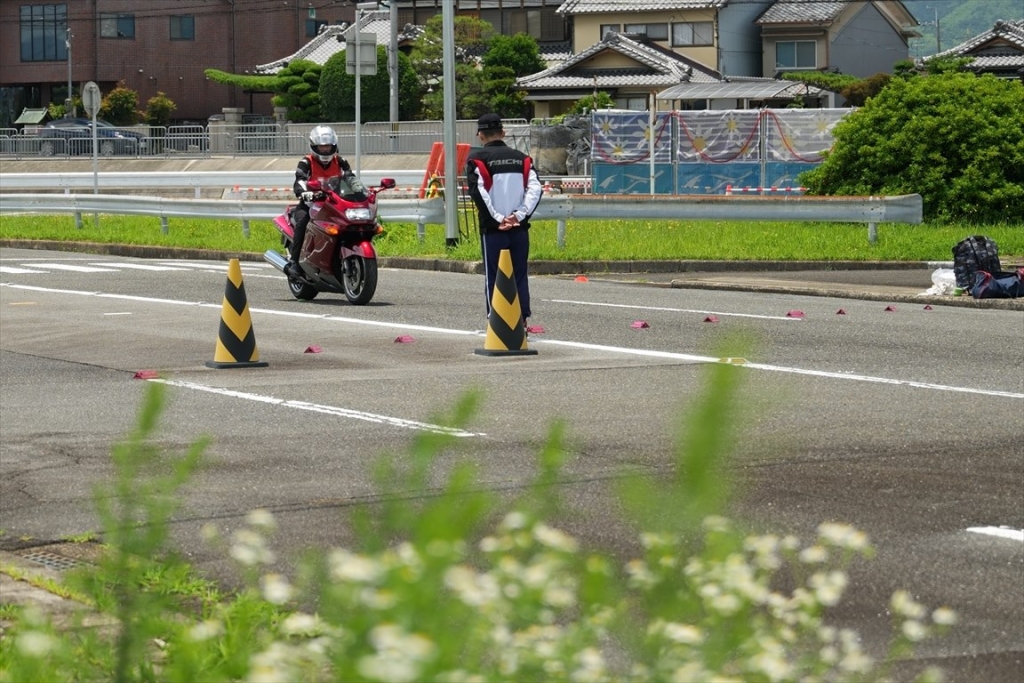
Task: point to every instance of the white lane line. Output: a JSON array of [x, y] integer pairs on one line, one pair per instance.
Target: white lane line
[[673, 310], [76, 269], [1000, 531], [138, 266], [329, 410], [19, 271], [668, 355]]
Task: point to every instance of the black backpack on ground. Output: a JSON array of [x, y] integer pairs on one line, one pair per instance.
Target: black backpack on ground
[[972, 254]]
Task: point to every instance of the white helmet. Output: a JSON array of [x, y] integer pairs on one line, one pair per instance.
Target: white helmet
[[323, 135]]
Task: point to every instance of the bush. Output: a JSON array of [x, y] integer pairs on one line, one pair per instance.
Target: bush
[[954, 138], [294, 82], [159, 109], [120, 106]]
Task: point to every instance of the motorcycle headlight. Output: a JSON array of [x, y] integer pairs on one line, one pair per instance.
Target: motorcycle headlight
[[360, 214]]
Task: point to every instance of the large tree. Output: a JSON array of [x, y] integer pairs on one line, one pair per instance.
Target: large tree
[[338, 90], [954, 138], [471, 38]]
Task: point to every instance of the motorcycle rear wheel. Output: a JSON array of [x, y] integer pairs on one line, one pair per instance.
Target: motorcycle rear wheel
[[359, 277], [300, 290]]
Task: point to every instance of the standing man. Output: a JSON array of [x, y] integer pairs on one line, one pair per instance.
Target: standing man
[[506, 190]]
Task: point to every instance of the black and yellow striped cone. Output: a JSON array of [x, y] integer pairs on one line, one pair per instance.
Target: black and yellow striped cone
[[506, 335], [236, 341]]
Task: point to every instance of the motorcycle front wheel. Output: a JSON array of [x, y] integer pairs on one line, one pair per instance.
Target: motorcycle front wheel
[[359, 277]]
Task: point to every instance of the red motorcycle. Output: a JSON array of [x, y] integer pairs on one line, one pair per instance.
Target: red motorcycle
[[337, 252]]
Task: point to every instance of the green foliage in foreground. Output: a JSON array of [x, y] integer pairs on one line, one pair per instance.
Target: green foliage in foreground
[[459, 587], [584, 240]]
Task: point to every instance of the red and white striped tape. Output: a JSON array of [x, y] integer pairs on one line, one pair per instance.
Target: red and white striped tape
[[729, 189]]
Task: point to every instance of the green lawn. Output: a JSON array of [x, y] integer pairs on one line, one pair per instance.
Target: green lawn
[[584, 239]]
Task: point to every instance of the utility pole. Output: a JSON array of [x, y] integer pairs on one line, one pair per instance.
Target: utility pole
[[69, 103]]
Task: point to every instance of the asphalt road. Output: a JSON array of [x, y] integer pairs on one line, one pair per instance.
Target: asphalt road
[[906, 423]]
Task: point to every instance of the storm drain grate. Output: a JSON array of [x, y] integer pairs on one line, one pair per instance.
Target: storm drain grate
[[51, 560]]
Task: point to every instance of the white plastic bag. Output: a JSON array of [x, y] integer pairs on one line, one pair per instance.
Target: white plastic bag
[[943, 282]]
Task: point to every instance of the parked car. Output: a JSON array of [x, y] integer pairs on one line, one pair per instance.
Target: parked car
[[74, 136]]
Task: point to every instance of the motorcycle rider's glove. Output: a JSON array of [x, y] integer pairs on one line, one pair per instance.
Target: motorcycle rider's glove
[[311, 196]]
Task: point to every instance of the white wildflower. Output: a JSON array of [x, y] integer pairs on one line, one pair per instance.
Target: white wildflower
[[684, 634], [815, 554], [301, 624], [272, 665], [590, 666], [250, 548], [905, 606], [380, 667], [276, 589], [773, 666], [842, 536], [347, 566], [35, 643], [914, 630], [554, 539], [261, 519], [652, 541], [944, 616], [856, 662], [205, 630], [377, 599], [489, 544], [558, 596], [514, 520], [828, 586], [716, 523], [726, 604]]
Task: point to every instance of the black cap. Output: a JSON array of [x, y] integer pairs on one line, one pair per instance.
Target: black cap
[[488, 122]]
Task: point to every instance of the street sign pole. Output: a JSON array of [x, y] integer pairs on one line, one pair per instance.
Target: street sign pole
[[91, 101]]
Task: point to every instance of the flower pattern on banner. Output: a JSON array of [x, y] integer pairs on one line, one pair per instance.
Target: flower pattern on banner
[[624, 137]]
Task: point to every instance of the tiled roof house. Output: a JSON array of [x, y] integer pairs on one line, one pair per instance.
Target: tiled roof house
[[332, 40], [999, 51], [856, 38]]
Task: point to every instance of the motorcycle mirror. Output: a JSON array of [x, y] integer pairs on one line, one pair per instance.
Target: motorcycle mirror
[[387, 183]]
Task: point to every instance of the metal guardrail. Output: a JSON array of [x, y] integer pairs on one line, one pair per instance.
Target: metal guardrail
[[147, 180], [870, 210]]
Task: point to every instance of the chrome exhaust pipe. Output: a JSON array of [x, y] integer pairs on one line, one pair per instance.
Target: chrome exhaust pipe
[[275, 259]]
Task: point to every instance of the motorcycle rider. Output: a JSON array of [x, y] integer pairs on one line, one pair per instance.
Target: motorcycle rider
[[324, 162]]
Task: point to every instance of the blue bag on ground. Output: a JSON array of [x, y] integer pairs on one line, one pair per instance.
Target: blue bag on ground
[[998, 285]]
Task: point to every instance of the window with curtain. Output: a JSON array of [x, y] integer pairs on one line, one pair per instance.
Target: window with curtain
[[693, 33]]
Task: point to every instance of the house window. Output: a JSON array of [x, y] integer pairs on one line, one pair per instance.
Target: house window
[[633, 103], [693, 33], [44, 33], [652, 31], [610, 28], [183, 27], [313, 27], [117, 26], [795, 54]]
